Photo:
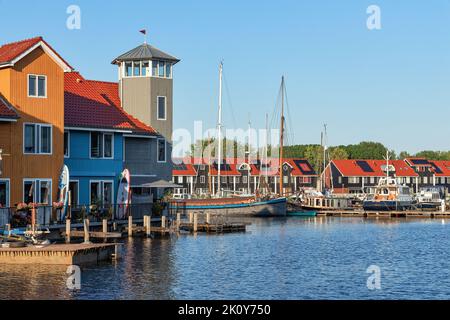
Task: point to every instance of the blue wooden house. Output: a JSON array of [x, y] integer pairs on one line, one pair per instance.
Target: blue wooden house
[[95, 142]]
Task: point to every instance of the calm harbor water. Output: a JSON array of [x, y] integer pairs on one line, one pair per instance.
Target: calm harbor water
[[293, 258]]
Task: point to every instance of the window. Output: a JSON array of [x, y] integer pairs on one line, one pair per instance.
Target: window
[[244, 179], [102, 145], [237, 179], [37, 191], [180, 179], [66, 144], [37, 86], [4, 193], [224, 179], [73, 189], [161, 68], [101, 193], [161, 150], [144, 70], [202, 167], [285, 179], [37, 139], [128, 69], [202, 179], [154, 68], [168, 70], [161, 108], [136, 68]]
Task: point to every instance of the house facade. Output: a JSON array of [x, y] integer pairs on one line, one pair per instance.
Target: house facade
[[31, 121], [358, 176], [199, 176], [101, 140]]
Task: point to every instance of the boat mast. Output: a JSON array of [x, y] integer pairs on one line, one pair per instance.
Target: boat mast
[[324, 155], [266, 173], [219, 129], [248, 157], [281, 136]]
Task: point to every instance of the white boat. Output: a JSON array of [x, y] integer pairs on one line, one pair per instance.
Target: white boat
[[389, 196], [430, 198]]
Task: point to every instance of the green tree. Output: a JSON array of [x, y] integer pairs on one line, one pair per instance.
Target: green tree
[[366, 150], [338, 153]]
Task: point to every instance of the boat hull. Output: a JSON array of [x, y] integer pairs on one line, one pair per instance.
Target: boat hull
[[388, 205], [305, 213], [269, 208]]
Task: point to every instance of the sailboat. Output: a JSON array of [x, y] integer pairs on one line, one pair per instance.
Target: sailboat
[[238, 206]]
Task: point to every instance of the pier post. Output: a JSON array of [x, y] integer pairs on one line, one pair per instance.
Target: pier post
[[68, 228], [163, 222], [105, 226], [178, 221], [147, 225], [191, 217], [115, 226], [195, 222], [208, 217], [86, 230], [130, 226]]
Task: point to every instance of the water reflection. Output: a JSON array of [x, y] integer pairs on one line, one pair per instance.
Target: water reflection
[[291, 258]]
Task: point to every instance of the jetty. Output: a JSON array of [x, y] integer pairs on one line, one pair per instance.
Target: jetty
[[59, 254], [384, 214]]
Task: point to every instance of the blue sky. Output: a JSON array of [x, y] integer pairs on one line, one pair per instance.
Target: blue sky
[[389, 85]]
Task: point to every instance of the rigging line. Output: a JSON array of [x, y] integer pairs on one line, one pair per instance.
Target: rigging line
[[233, 118]]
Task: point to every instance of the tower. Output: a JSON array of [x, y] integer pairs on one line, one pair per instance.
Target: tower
[[146, 86]]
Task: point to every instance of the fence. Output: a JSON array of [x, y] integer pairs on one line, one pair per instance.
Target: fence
[[46, 215]]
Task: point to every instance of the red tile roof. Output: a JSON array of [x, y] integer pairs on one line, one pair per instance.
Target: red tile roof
[[11, 51], [94, 104], [7, 111], [183, 167], [443, 168], [350, 168]]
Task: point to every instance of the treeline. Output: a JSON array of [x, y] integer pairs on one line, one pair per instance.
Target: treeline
[[314, 153]]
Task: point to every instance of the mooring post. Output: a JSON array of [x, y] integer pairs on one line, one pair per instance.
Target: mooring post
[[149, 225], [68, 228], [195, 222], [105, 226], [130, 226], [163, 222], [86, 230], [115, 226], [208, 217], [191, 217], [178, 221]]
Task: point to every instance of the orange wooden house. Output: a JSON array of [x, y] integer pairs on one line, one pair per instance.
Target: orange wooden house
[[31, 122]]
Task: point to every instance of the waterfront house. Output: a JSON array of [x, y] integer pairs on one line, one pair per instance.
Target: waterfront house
[[101, 139], [357, 176], [199, 176], [431, 172], [31, 122]]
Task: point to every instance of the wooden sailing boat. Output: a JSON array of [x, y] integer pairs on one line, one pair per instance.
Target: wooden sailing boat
[[237, 206]]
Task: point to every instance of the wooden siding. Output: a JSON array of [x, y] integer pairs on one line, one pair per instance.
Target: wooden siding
[[50, 110]]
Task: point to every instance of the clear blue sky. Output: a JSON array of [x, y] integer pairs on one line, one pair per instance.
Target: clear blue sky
[[390, 85]]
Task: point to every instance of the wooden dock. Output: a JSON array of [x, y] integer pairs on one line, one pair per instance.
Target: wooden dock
[[384, 214], [59, 254], [214, 228]]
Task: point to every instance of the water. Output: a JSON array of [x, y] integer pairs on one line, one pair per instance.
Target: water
[[294, 258]]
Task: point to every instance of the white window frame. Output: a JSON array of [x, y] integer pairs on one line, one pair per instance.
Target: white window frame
[[8, 196], [68, 144], [37, 186], [37, 86], [157, 150], [37, 138], [103, 149], [101, 183], [165, 108], [202, 179]]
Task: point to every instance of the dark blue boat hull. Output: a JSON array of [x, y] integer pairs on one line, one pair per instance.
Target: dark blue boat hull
[[386, 205]]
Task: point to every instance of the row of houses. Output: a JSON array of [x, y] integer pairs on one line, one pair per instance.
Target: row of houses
[[50, 115], [342, 176], [200, 176]]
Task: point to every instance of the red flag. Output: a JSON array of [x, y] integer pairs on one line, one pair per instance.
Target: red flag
[[143, 31]]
